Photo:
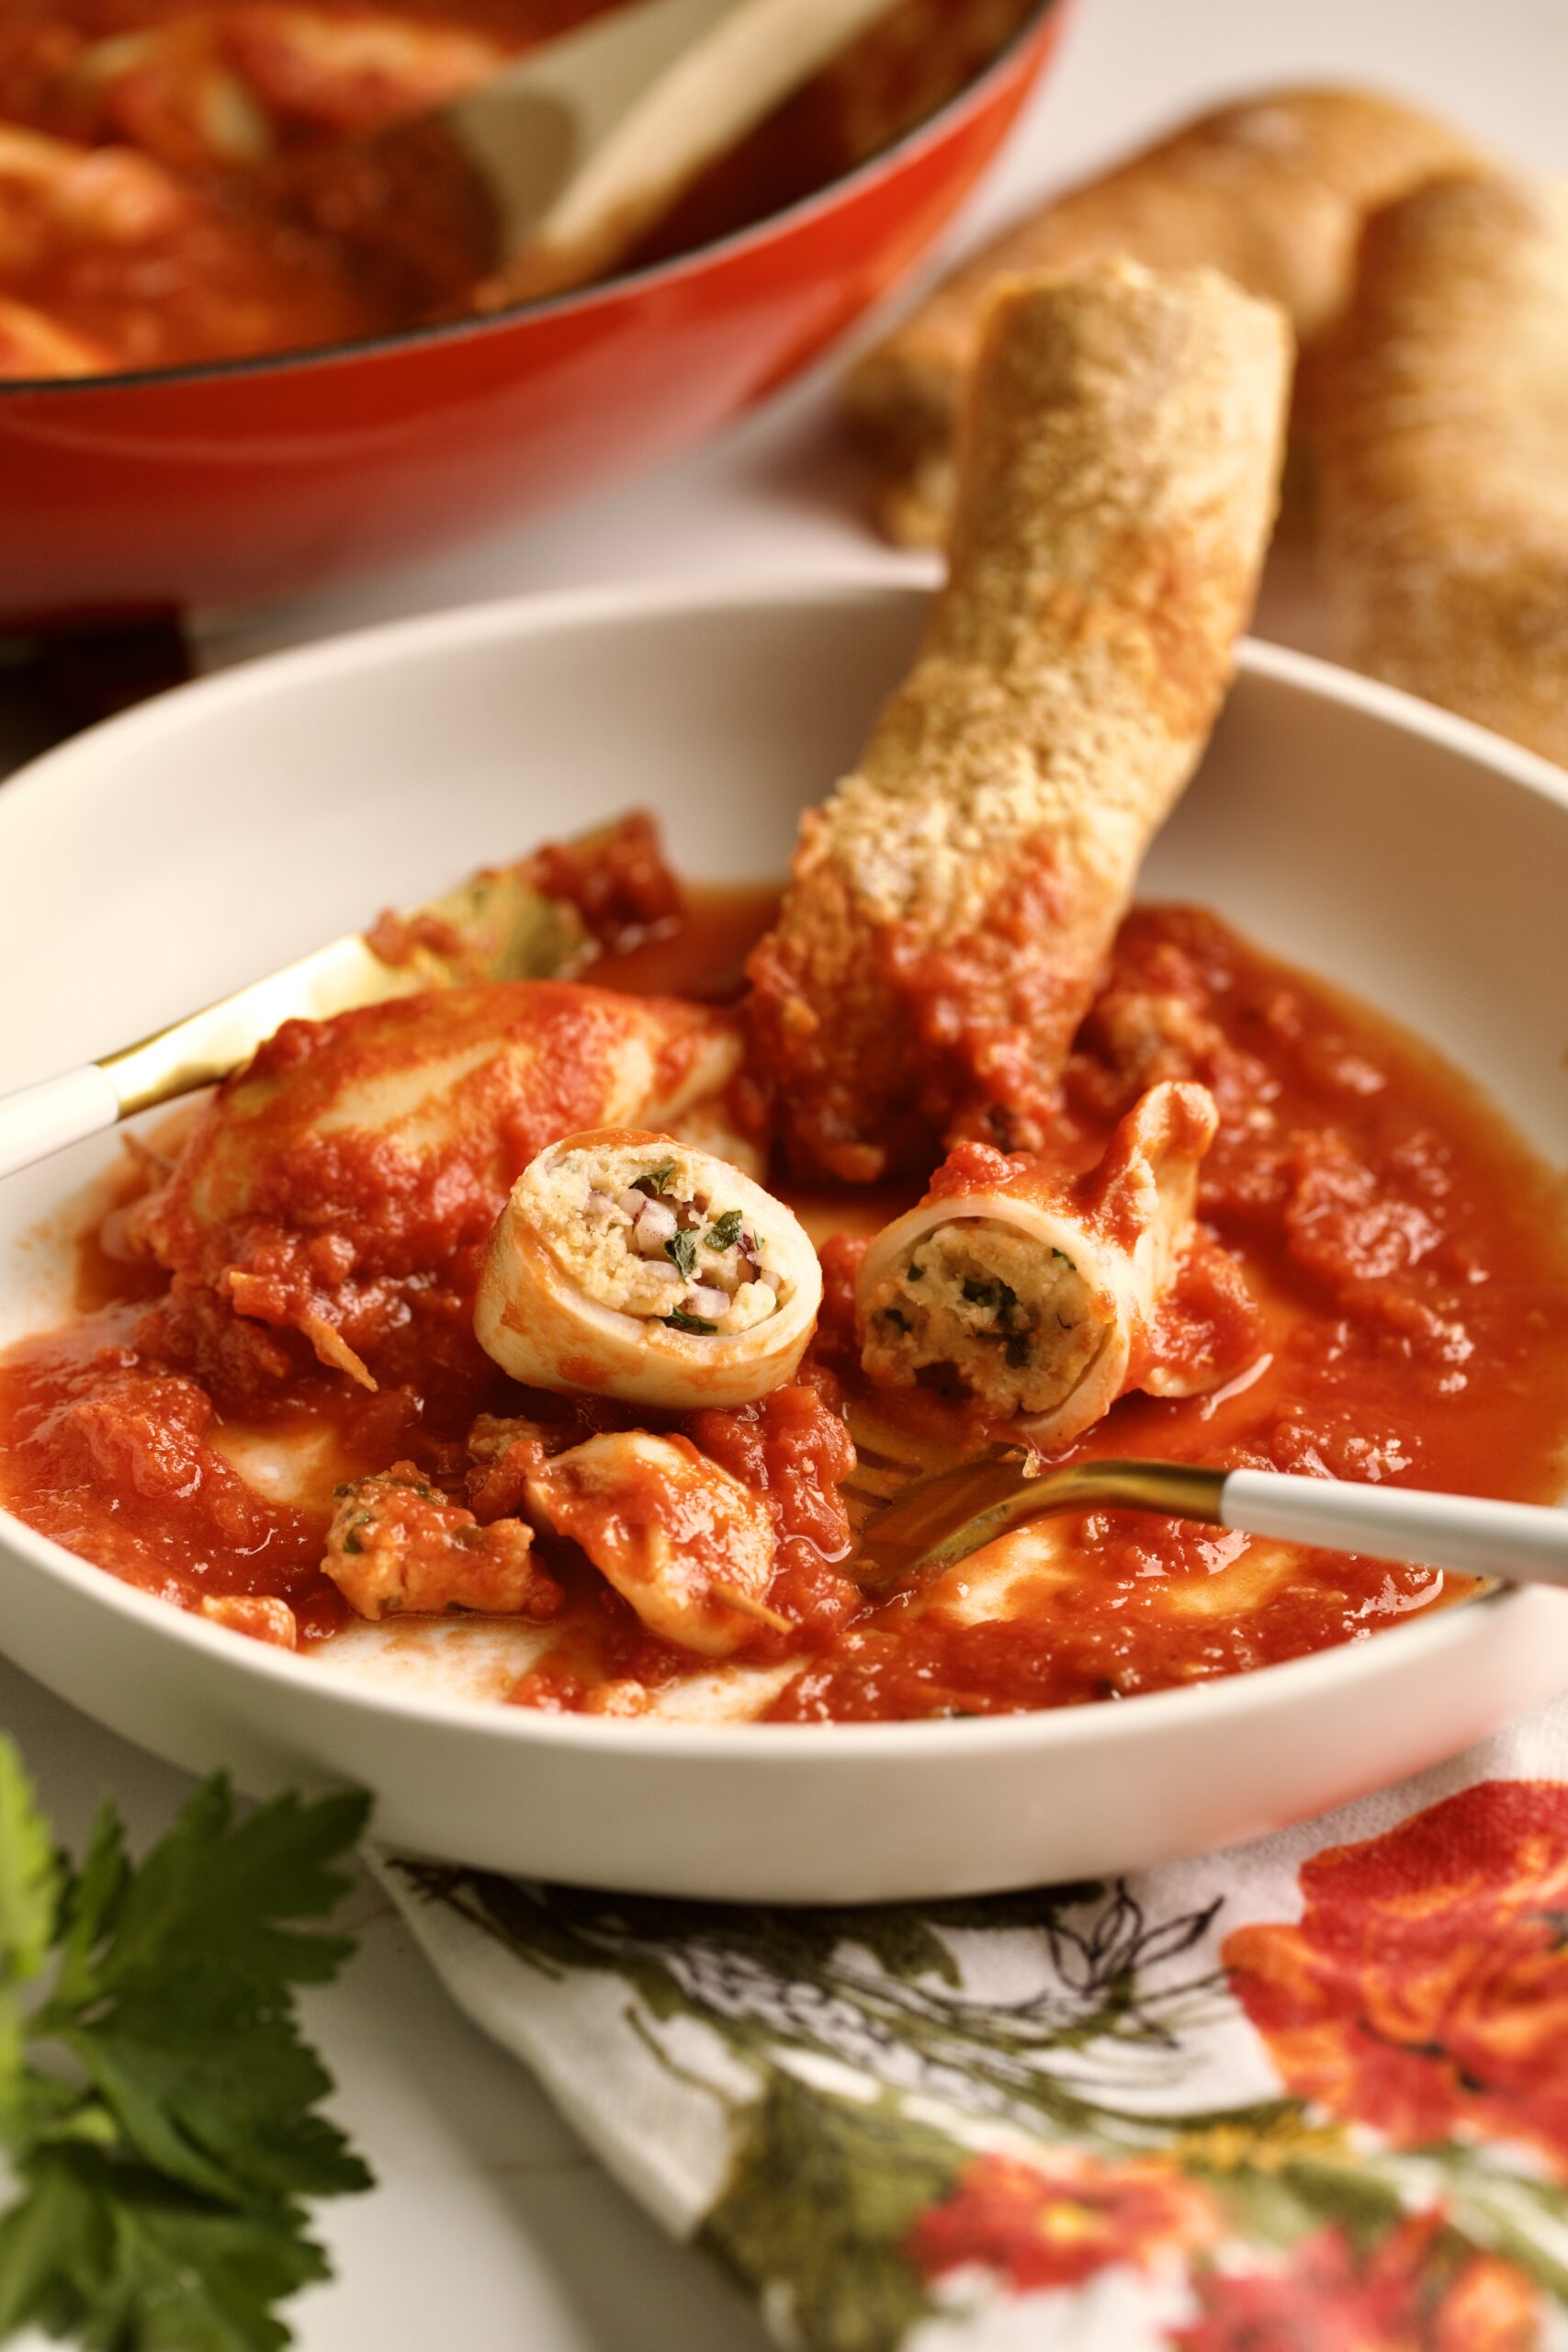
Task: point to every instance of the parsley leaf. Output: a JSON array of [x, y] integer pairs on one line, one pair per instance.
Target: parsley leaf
[[681, 1322], [681, 1251], [29, 1875], [725, 1231], [115, 2258], [29, 1899], [655, 1180], [162, 2166]]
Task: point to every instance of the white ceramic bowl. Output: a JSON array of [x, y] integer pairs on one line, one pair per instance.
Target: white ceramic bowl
[[177, 851]]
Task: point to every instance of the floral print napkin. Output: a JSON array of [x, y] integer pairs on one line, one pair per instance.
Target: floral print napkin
[[1306, 2096]]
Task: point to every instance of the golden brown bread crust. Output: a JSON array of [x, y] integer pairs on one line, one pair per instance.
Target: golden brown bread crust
[[951, 906], [1443, 445], [1271, 190]]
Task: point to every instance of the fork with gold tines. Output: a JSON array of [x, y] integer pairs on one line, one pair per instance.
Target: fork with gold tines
[[909, 1530]]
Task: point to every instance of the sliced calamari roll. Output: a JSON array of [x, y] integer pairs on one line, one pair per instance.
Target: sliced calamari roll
[[630, 1264], [689, 1546], [1038, 1295]]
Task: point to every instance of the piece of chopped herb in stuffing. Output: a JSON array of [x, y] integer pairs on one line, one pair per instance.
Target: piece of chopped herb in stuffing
[[656, 1179], [681, 1322], [681, 1251], [999, 1299], [725, 1231]]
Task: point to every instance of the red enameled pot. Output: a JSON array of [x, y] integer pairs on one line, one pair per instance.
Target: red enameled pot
[[238, 483]]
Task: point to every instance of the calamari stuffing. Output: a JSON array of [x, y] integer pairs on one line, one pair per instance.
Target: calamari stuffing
[[667, 1243], [397, 1547], [1010, 1313]]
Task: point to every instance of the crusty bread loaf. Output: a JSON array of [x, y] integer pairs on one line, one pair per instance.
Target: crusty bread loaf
[[1443, 435], [1271, 190], [951, 906]]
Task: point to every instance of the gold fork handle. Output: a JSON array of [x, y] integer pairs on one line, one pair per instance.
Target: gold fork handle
[[1179, 1489], [941, 1520]]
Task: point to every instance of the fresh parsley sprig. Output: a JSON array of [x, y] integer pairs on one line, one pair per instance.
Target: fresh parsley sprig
[[158, 2105]]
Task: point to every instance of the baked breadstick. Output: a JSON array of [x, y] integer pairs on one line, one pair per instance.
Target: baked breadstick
[[951, 907], [1443, 433], [1271, 191]]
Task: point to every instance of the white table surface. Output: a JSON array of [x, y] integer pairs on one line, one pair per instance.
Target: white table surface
[[492, 2229]]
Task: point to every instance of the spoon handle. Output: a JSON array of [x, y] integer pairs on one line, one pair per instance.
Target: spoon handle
[[592, 136], [1526, 1542]]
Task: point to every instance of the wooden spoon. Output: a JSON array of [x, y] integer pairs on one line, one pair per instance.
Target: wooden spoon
[[586, 139]]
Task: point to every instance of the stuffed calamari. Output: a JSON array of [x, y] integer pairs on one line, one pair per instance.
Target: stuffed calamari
[[629, 1264], [1040, 1297]]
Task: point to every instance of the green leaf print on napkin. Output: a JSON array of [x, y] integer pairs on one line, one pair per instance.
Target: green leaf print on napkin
[[823, 2194]]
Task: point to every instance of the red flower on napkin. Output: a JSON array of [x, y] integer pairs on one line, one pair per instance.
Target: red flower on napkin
[[1324, 2299], [1425, 1990], [1055, 2219]]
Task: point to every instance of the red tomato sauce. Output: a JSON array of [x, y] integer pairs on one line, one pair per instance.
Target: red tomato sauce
[[1405, 1263], [189, 180]]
